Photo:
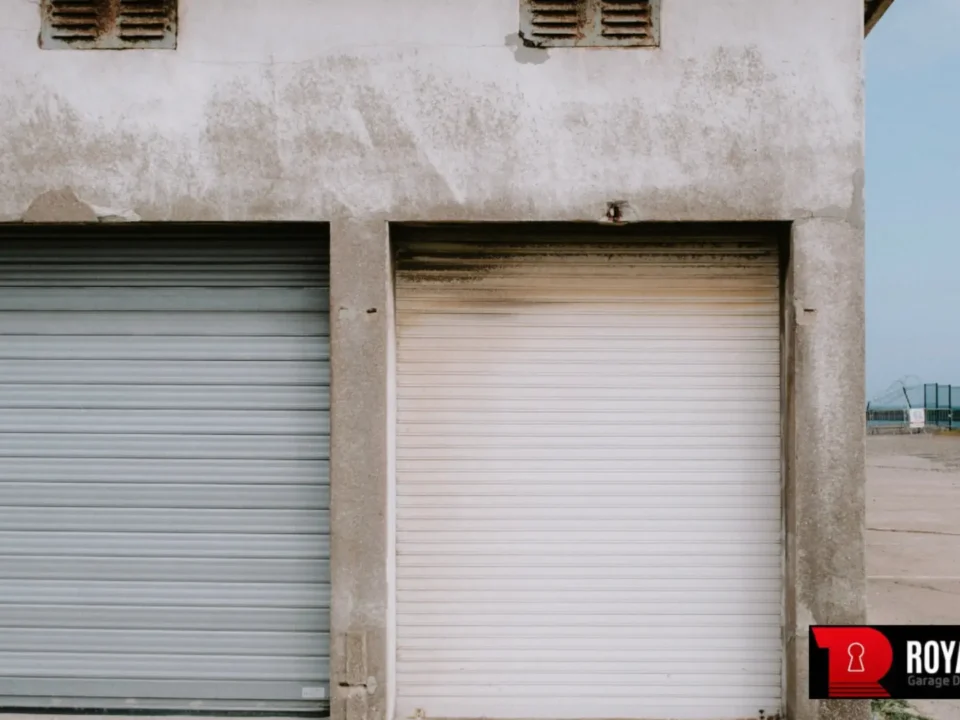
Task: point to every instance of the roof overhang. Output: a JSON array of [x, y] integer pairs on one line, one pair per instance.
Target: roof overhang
[[873, 10]]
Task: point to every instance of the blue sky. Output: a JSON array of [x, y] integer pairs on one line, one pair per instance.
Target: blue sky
[[913, 194]]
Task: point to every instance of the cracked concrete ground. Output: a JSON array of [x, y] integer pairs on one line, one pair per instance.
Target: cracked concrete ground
[[913, 537]]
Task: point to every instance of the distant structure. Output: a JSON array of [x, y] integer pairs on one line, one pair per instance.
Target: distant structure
[[911, 404], [905, 393]]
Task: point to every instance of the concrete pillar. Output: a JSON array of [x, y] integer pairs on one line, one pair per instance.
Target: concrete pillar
[[360, 278], [824, 447]]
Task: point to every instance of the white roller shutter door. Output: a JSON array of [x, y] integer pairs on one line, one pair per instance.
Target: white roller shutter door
[[164, 502], [588, 480]]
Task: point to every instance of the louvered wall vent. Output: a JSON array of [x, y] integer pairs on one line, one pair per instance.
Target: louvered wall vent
[[109, 24], [590, 23]]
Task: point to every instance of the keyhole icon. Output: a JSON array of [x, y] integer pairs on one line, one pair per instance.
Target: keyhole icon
[[855, 651]]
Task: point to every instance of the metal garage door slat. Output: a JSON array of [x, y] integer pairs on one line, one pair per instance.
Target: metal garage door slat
[[164, 493], [66, 299], [588, 504], [215, 694], [144, 544], [157, 495], [151, 421], [198, 373], [164, 397], [312, 327], [161, 470], [156, 617]]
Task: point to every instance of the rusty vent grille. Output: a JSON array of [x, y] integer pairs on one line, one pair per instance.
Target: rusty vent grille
[[627, 22], [559, 21], [590, 23], [109, 24]]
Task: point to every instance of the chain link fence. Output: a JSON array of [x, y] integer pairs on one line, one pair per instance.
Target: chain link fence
[[941, 406]]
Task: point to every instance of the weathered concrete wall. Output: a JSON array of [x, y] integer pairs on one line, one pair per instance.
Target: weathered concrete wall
[[299, 109], [373, 111]]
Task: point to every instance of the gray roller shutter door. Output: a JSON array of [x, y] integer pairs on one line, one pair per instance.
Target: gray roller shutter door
[[164, 445]]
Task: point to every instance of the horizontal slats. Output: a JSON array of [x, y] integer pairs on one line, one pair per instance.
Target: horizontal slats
[[578, 271], [588, 480], [164, 495], [616, 670], [680, 706], [120, 349], [213, 569], [579, 291], [156, 617], [138, 471], [584, 560], [624, 685], [74, 19], [626, 575], [558, 540], [168, 244], [163, 397], [139, 642], [105, 25], [156, 372], [192, 696], [174, 594], [142, 20], [178, 299], [479, 379], [633, 546], [439, 470], [199, 423], [315, 495], [656, 343], [515, 488], [682, 591], [626, 19], [613, 516], [167, 445], [158, 666], [584, 497], [121, 325], [730, 529], [555, 18], [538, 639], [514, 588], [495, 621], [565, 371], [759, 403], [747, 314], [121, 544], [554, 428], [762, 362], [158, 274], [651, 606], [656, 448], [741, 243], [169, 519], [678, 636]]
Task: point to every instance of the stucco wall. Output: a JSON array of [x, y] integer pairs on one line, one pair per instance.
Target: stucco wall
[[372, 111], [311, 109]]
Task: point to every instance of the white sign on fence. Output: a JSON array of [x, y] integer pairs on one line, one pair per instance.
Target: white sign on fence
[[917, 418]]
